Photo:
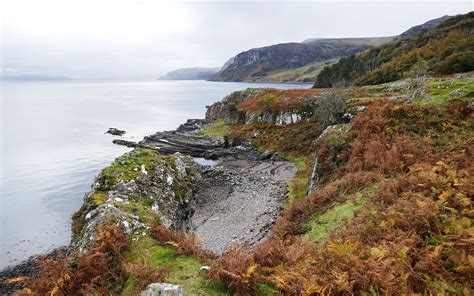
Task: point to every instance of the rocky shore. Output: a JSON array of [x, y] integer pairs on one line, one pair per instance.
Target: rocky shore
[[234, 201]]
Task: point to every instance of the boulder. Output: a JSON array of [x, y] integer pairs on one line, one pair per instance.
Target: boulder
[[101, 215], [163, 289], [115, 131]]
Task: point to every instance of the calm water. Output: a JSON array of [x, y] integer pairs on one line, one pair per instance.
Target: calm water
[[53, 144]]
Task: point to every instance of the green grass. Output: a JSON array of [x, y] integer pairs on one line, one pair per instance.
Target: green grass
[[321, 225], [216, 129], [298, 185], [440, 91], [300, 74], [185, 270]]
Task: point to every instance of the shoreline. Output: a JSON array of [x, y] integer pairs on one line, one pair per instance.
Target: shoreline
[[240, 169]]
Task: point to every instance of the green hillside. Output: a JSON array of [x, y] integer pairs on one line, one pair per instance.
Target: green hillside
[[445, 49]]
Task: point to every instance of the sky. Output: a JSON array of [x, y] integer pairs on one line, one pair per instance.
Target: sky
[[144, 39]]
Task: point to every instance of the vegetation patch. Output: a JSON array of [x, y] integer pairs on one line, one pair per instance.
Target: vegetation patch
[[321, 225], [216, 129], [176, 268], [129, 166]]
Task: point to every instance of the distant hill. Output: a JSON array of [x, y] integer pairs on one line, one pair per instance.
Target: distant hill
[[291, 62], [32, 77], [425, 26], [432, 48], [195, 73]]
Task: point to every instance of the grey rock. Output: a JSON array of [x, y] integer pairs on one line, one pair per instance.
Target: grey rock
[[163, 289], [115, 131], [104, 214]]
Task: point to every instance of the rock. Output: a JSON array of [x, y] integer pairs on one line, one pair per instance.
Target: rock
[[127, 143], [205, 268], [338, 130], [238, 195], [457, 93], [166, 187], [255, 134], [20, 272], [115, 131], [163, 289], [102, 215]]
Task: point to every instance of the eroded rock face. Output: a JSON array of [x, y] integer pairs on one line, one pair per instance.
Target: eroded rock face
[[137, 184], [226, 109], [101, 215], [337, 131]]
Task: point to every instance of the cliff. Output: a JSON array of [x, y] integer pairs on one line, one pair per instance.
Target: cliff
[[290, 62]]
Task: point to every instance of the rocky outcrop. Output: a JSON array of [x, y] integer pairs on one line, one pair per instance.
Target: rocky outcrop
[[115, 131], [333, 131], [227, 110], [138, 186]]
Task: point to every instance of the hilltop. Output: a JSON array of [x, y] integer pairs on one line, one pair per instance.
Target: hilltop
[[196, 73], [291, 62], [439, 49]]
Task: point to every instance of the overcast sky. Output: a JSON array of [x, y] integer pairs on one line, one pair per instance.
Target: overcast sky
[[143, 39]]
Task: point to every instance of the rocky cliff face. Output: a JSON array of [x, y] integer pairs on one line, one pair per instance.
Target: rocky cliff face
[[256, 64], [137, 188]]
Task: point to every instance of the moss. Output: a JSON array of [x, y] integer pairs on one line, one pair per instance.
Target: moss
[[321, 225], [139, 209], [216, 129], [185, 270], [99, 197], [440, 91], [265, 289], [128, 167], [298, 185]]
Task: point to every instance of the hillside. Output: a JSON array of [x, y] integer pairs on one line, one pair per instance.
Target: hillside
[[291, 62], [425, 26], [443, 49], [195, 73], [381, 203]]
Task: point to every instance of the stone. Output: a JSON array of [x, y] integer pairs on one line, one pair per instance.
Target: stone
[[100, 216], [163, 289], [457, 92], [205, 268], [115, 131]]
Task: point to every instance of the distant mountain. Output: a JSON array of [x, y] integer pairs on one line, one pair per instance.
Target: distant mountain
[[291, 62], [32, 77], [425, 26], [195, 73], [444, 49]]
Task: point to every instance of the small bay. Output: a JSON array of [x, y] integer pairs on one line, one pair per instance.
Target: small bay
[[54, 143]]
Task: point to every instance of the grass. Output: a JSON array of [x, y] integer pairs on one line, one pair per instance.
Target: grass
[[301, 74], [440, 92], [321, 225], [185, 271], [216, 129]]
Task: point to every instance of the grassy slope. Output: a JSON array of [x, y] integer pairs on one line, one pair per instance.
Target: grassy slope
[[443, 50], [306, 73], [393, 212]]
